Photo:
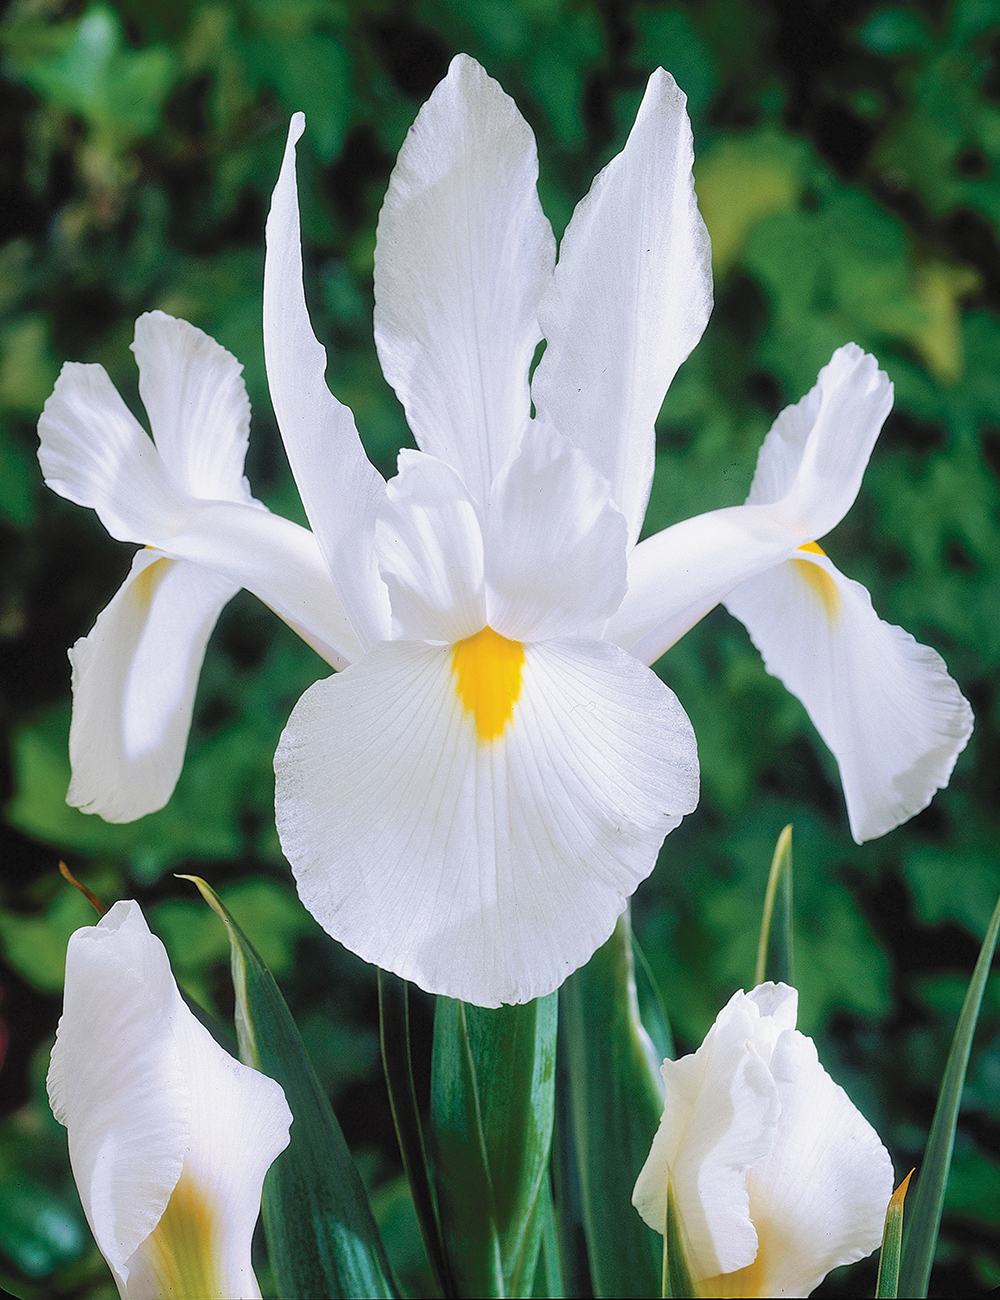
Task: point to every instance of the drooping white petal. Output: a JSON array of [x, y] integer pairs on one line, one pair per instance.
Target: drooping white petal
[[720, 1117], [676, 576], [481, 857], [808, 473], [117, 1081], [812, 461], [818, 1198], [631, 296], [95, 453], [197, 404], [340, 488], [462, 258], [169, 1137], [430, 550], [134, 681], [555, 545], [882, 702]]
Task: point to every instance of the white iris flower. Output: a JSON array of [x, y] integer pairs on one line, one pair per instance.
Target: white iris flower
[[776, 1176], [471, 803], [169, 1137]]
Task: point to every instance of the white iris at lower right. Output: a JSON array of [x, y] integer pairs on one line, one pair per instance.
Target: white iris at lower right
[[776, 1176]]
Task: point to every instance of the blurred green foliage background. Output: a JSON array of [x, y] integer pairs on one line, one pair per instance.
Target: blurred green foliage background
[[849, 172]]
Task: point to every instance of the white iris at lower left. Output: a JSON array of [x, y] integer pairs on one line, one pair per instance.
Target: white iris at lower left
[[169, 1136]]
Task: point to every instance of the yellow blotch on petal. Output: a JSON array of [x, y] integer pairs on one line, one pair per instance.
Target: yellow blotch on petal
[[182, 1255], [741, 1285], [148, 580], [819, 580], [487, 670]]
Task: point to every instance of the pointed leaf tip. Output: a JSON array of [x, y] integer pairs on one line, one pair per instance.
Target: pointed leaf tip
[[774, 949], [887, 1285]]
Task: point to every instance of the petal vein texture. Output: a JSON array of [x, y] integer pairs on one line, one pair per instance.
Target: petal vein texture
[[481, 871], [884, 704], [462, 257], [631, 295]]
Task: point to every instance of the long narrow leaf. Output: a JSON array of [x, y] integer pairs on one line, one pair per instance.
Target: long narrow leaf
[[920, 1237], [887, 1284], [573, 1254], [617, 1102], [774, 950], [548, 1272], [652, 1009], [394, 1032], [322, 1238], [462, 1174], [493, 1082]]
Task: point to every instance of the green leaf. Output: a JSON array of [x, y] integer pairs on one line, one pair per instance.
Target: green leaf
[[922, 1229], [676, 1274], [548, 1272], [322, 1237], [617, 1102], [887, 1285], [114, 88], [394, 1032], [774, 951], [492, 1110], [464, 1187]]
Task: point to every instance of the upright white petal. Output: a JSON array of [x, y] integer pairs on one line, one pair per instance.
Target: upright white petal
[[883, 703], [94, 452], [808, 473], [134, 681], [462, 258], [555, 544], [430, 549], [169, 1136], [631, 296], [482, 848], [197, 404], [811, 463], [340, 488]]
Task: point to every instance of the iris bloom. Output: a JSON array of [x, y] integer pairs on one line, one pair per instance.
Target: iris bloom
[[776, 1177], [473, 800], [169, 1137]]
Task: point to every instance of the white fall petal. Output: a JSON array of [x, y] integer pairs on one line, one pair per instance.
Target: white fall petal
[[134, 682], [183, 496], [169, 1137], [776, 1176], [885, 705], [486, 869]]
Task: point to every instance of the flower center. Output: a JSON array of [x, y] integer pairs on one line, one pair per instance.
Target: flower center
[[819, 580], [487, 670]]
